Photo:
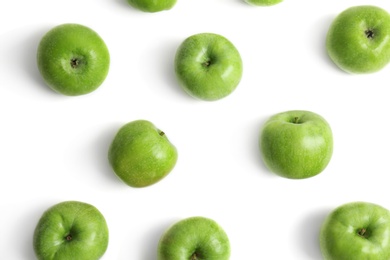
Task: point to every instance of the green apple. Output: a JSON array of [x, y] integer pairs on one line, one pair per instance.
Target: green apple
[[208, 66], [358, 231], [263, 2], [152, 6], [296, 144], [73, 59], [358, 40], [194, 238], [71, 230], [141, 154]]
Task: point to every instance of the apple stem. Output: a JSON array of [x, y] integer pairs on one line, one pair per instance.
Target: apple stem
[[194, 257], [207, 63], [296, 120], [362, 232], [162, 133]]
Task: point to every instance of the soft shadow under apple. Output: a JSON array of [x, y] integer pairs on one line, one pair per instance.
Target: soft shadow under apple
[[99, 149], [122, 3], [164, 54], [27, 57], [308, 233], [151, 239], [254, 142], [318, 33], [24, 232]]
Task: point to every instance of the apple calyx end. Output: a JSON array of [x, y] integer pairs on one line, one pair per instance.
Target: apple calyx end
[[369, 33], [74, 62], [194, 256], [68, 237]]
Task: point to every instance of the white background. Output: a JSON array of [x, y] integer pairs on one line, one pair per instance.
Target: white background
[[54, 148]]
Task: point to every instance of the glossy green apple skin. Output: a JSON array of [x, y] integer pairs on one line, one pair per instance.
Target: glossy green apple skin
[[71, 230], [152, 6], [296, 144], [208, 66], [73, 59], [356, 230], [194, 238], [358, 40], [141, 154], [263, 2]]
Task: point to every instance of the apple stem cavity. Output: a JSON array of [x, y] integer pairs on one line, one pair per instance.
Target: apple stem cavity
[[362, 232], [369, 33], [296, 120], [207, 63]]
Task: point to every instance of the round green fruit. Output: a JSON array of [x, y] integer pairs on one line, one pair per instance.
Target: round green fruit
[[73, 59], [296, 144], [358, 231], [263, 2], [358, 40], [141, 154], [152, 6], [208, 66], [194, 238], [71, 230]]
